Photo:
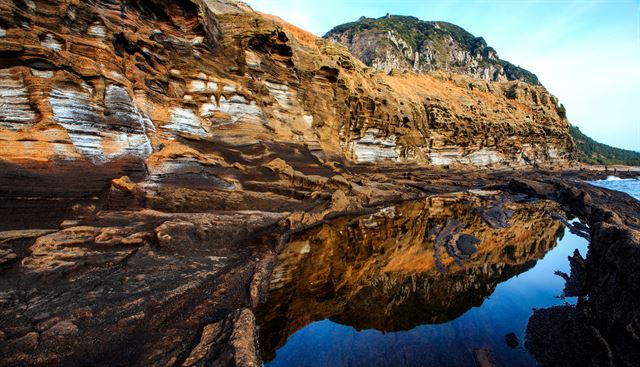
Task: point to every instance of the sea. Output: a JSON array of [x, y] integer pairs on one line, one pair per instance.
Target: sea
[[629, 185]]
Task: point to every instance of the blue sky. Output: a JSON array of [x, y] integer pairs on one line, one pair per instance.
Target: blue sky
[[587, 53]]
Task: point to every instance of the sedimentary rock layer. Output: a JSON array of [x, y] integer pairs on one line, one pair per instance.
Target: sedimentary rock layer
[[106, 87]]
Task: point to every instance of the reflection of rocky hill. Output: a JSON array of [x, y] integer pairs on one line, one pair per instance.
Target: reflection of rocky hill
[[419, 262]]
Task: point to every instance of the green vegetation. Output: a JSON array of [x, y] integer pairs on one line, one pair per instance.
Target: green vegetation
[[592, 152], [415, 31], [562, 112], [517, 73], [412, 30]]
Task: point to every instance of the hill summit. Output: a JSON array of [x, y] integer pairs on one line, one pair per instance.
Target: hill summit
[[408, 43]]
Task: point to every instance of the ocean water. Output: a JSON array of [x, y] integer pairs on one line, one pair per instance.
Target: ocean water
[[629, 185]]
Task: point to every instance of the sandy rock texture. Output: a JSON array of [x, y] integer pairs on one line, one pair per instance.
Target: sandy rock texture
[[132, 88]]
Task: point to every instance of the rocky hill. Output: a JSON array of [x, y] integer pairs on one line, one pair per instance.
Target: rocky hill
[[144, 90], [407, 43]]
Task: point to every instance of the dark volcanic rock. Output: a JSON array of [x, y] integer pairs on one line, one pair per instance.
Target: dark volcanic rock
[[608, 276], [575, 283], [559, 336]]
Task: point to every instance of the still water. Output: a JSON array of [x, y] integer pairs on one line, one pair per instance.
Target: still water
[[424, 283]]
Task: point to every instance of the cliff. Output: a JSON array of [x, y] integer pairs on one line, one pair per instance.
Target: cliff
[[139, 89]]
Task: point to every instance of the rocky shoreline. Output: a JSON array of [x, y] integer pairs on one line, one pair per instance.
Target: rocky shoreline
[[156, 157], [138, 285], [602, 329]]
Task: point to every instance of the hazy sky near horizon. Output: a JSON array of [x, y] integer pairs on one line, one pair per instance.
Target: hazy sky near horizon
[[587, 53]]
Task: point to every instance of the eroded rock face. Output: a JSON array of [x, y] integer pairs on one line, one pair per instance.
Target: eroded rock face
[[117, 90], [419, 262], [134, 288]]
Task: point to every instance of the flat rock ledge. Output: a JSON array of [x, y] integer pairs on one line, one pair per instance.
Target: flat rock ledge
[[142, 286]]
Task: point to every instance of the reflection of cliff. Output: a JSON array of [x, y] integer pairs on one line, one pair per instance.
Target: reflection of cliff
[[419, 262]]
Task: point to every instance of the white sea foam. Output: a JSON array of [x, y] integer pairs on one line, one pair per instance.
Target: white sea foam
[[629, 185]]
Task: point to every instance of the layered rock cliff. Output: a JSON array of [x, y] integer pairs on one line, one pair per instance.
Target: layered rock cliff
[[407, 43], [143, 88]]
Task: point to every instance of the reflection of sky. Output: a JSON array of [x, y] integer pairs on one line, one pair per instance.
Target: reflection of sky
[[587, 53], [325, 343]]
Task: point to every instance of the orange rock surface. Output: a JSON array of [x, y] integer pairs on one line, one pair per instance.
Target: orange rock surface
[[127, 87]]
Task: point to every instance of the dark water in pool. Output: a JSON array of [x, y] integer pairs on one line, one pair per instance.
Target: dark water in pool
[[424, 283]]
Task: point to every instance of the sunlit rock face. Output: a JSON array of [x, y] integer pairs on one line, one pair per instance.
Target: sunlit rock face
[[419, 262], [104, 87], [98, 136]]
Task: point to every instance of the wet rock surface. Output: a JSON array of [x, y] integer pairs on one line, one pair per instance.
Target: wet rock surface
[[559, 336], [601, 328], [130, 287], [137, 276]]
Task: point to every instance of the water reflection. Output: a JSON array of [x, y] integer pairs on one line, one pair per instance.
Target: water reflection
[[410, 285]]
